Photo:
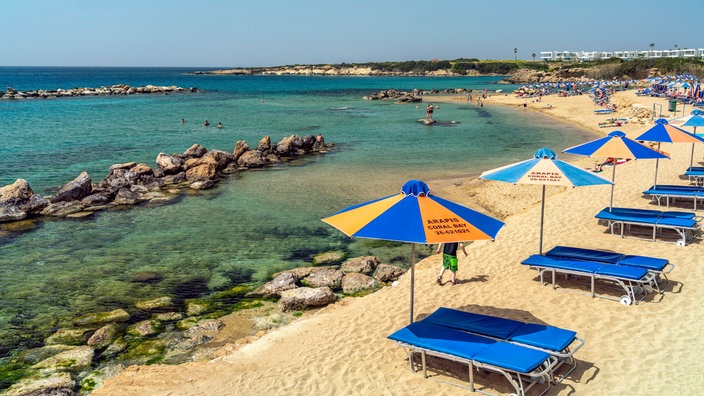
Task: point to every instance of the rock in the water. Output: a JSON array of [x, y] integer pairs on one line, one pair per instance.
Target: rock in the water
[[306, 297]]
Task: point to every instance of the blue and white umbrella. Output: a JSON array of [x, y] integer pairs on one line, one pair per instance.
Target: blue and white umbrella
[[546, 170]]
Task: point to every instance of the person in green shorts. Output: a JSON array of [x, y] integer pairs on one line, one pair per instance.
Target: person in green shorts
[[449, 259]]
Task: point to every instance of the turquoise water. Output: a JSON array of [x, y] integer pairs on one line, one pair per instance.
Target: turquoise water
[[252, 223]]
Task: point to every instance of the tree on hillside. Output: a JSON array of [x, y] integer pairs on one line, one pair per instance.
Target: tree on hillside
[[533, 55], [515, 53]]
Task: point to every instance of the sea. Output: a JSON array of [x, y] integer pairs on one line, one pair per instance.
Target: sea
[[252, 223]]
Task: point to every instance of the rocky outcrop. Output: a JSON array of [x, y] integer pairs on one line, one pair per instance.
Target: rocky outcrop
[[17, 200], [365, 265], [131, 183], [119, 89], [355, 282]]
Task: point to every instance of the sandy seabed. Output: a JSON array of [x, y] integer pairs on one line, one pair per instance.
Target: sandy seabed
[[653, 347]]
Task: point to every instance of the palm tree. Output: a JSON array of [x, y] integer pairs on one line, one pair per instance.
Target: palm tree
[[652, 45], [515, 53], [533, 55]]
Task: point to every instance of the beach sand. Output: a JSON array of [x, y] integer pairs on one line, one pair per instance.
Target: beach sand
[[652, 347]]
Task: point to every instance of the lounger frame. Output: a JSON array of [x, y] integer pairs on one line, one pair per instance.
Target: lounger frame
[[625, 260], [636, 290], [686, 233], [521, 382], [658, 193]]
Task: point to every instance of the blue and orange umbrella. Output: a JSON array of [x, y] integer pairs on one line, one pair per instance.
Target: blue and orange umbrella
[[546, 170], [663, 131], [617, 146], [415, 216]]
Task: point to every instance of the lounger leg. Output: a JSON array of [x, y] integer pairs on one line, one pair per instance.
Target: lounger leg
[[471, 377], [425, 370]]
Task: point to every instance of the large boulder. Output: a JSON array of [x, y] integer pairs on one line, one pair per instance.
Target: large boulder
[[354, 282], [76, 189], [63, 208], [264, 144], [205, 171], [74, 360], [125, 196], [220, 157], [240, 148], [387, 273], [283, 281], [251, 159], [170, 164], [56, 384], [290, 146], [141, 174], [18, 199], [306, 297], [195, 151], [365, 264], [320, 277]]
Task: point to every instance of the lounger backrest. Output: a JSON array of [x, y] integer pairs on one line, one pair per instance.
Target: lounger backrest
[[588, 267], [584, 254], [651, 263], [536, 335], [490, 326]]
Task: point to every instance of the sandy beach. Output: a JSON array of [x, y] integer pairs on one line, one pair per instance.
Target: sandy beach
[[651, 347]]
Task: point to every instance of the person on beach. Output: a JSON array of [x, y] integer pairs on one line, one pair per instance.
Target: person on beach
[[449, 259], [429, 112]]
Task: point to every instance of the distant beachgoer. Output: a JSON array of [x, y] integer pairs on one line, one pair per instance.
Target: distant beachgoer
[[206, 123], [219, 125], [449, 259], [320, 138], [429, 112], [525, 105], [261, 100], [183, 121]]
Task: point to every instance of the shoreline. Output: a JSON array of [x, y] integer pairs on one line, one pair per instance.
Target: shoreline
[[343, 348]]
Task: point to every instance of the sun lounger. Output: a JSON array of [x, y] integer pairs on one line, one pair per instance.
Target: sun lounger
[[685, 224], [659, 266], [695, 174], [523, 367], [632, 280], [667, 191], [555, 341]]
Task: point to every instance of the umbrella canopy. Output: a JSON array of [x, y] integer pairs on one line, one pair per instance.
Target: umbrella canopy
[[662, 131], [546, 170], [414, 215], [617, 146]]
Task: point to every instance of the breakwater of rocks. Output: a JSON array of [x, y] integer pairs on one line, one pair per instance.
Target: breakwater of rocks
[[118, 89], [131, 183]]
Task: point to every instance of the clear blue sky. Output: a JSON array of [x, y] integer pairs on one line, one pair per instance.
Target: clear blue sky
[[234, 33]]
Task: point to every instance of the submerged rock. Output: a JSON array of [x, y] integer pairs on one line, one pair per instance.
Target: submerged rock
[[306, 297], [55, 384]]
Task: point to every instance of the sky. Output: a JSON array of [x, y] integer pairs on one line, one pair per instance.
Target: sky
[[254, 33]]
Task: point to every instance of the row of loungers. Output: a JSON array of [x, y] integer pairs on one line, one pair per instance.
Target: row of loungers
[[635, 275], [684, 224], [526, 354], [667, 191], [695, 174]]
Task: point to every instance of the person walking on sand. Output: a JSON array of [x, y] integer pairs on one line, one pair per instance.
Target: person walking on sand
[[449, 259]]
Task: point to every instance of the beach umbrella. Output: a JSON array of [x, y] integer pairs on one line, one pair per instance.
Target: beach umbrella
[[546, 170], [661, 132], [414, 215], [617, 146]]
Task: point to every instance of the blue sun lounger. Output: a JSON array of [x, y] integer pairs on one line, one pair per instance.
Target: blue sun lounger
[[660, 191], [632, 280], [523, 367], [659, 266], [555, 341], [695, 174], [685, 224]]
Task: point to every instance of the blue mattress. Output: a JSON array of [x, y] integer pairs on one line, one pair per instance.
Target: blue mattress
[[470, 347], [651, 263], [647, 216], [536, 335], [695, 171], [587, 267], [683, 191]]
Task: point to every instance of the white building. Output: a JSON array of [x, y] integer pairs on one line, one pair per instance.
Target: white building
[[586, 56]]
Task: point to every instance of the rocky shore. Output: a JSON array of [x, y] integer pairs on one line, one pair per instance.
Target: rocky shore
[[88, 349], [321, 70], [119, 89], [132, 183]]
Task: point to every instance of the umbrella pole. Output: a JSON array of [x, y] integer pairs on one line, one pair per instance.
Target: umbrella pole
[[613, 177], [657, 163], [542, 217], [413, 275], [691, 158]]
